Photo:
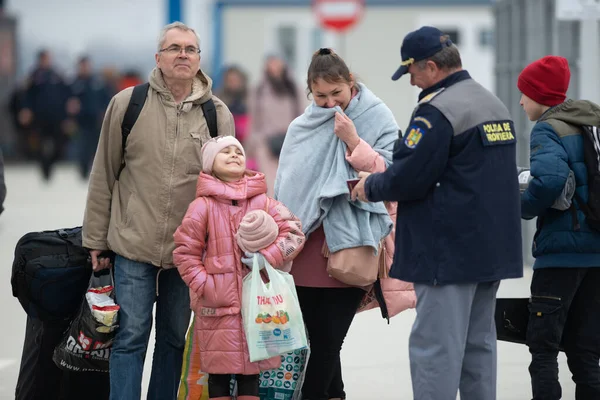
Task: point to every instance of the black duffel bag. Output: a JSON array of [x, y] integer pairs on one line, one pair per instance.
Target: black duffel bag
[[50, 273]]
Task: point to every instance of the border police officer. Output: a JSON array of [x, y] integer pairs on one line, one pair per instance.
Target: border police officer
[[458, 229]]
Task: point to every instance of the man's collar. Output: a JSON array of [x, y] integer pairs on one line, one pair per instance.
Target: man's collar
[[446, 82]]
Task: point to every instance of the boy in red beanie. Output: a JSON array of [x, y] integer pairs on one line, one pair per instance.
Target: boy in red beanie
[[565, 300]]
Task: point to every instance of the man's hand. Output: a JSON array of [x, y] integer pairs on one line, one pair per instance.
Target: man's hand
[[25, 117], [359, 190], [73, 106], [101, 263]]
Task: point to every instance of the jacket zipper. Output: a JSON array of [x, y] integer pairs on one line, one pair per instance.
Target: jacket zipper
[[545, 297], [162, 246]]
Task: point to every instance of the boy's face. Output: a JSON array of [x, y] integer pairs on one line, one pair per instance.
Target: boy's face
[[533, 110], [229, 164]]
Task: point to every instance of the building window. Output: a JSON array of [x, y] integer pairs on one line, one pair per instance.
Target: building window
[[486, 37], [287, 43], [454, 35]]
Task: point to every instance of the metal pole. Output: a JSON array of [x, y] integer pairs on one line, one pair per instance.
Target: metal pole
[[589, 61], [342, 45], [174, 10]]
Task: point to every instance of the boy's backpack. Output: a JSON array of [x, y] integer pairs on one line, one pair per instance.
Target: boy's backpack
[[136, 103], [50, 273], [591, 152]]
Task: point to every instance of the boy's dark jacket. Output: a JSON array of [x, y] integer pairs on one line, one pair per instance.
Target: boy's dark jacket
[[556, 148]]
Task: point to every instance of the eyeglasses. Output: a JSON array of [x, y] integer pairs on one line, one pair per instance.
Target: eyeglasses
[[176, 50]]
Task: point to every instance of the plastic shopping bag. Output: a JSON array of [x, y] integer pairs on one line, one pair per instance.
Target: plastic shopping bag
[[286, 382], [271, 314], [193, 384], [87, 343]]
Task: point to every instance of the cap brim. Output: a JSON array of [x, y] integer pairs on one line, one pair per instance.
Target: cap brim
[[401, 71]]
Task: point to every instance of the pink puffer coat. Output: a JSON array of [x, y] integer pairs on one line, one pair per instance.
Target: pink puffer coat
[[398, 295], [209, 261]]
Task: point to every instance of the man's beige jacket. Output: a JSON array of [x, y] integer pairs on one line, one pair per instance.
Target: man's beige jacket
[[137, 215]]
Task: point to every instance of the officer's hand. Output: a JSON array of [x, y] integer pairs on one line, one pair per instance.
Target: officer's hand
[[99, 263], [344, 129], [359, 190]]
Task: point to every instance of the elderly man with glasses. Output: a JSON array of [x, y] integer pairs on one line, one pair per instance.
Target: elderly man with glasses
[[137, 197]]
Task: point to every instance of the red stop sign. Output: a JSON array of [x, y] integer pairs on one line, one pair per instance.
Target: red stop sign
[[338, 15]]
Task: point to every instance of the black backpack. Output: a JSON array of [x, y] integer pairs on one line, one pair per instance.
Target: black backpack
[[134, 108], [51, 269], [50, 273], [591, 152]]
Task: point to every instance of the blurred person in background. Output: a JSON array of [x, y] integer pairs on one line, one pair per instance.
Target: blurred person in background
[[275, 102], [111, 77], [234, 94], [15, 105], [89, 100], [130, 78], [2, 184], [44, 108]]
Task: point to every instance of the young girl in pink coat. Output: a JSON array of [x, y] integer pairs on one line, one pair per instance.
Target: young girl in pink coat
[[209, 260]]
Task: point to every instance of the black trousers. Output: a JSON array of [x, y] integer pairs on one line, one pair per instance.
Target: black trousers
[[565, 308], [218, 385], [40, 379], [328, 314], [51, 145]]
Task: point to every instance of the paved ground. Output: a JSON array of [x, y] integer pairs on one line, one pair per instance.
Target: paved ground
[[375, 355]]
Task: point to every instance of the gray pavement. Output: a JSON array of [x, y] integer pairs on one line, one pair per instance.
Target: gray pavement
[[375, 355]]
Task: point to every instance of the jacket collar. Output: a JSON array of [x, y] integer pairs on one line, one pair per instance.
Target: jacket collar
[[446, 82], [252, 184]]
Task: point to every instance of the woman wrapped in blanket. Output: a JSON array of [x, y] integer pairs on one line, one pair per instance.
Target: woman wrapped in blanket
[[346, 130]]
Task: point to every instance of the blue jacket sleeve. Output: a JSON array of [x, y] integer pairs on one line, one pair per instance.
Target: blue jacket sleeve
[[419, 159], [549, 169]]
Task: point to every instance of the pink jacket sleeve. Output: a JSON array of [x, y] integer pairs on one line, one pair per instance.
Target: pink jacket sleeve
[[290, 240], [190, 242], [364, 158]]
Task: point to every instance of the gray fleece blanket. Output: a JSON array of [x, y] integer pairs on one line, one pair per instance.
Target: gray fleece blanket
[[312, 174]]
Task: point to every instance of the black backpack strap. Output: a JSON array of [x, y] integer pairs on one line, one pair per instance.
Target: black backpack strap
[[210, 114], [134, 108]]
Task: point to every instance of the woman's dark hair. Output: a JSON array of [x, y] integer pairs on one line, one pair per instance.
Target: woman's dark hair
[[330, 67], [282, 86]]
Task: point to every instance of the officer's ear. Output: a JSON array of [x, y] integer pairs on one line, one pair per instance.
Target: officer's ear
[[431, 66]]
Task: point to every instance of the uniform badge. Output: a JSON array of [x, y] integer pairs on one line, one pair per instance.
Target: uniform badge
[[494, 133], [413, 137]]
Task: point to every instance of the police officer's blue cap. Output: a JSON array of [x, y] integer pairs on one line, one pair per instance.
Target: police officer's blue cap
[[419, 45]]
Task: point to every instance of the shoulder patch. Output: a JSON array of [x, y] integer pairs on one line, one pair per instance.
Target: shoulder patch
[[430, 96], [495, 133], [413, 137]]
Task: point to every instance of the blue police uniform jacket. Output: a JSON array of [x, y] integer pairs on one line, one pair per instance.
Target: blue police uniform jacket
[[454, 176], [563, 238]]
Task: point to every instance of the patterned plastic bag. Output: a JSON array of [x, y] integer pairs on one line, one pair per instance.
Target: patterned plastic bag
[[286, 382], [194, 383]]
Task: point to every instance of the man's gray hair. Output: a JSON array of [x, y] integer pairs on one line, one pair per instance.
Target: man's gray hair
[[175, 25], [446, 59]]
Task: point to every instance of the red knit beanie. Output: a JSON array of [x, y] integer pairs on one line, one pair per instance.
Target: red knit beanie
[[546, 80]]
